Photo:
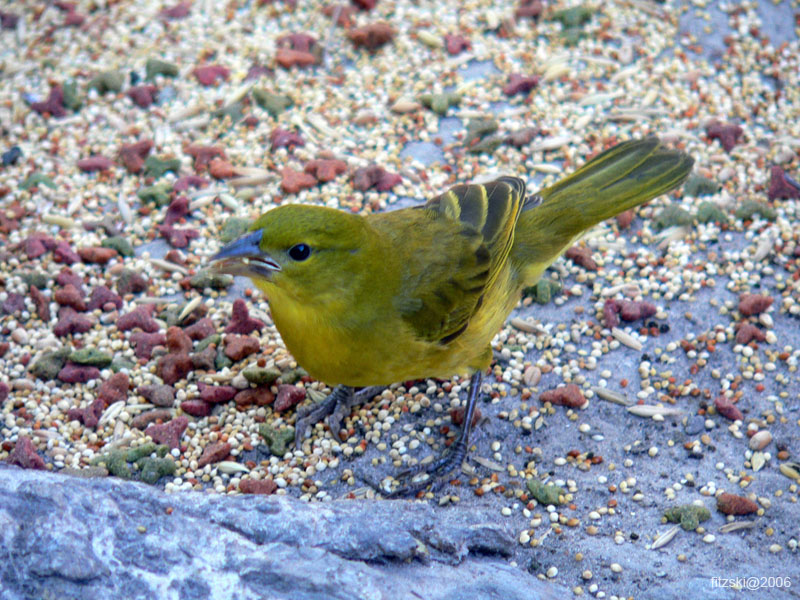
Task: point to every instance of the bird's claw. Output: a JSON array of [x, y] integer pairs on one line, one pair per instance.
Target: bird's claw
[[449, 461], [308, 416], [436, 472], [335, 407]]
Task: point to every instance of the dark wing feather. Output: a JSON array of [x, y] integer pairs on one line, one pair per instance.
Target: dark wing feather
[[472, 227]]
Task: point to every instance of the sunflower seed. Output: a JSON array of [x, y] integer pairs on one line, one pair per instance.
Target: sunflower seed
[[119, 443], [154, 300], [546, 168], [197, 122], [582, 123], [125, 209], [237, 94], [229, 201], [489, 464], [625, 338], [252, 172], [201, 202], [552, 143], [187, 112], [168, 266], [189, 308], [791, 470], [611, 396], [556, 71], [758, 460], [524, 325], [431, 40], [736, 526], [592, 99], [765, 244], [665, 538], [230, 467], [628, 289], [650, 97], [250, 181], [625, 73], [404, 105], [649, 410], [532, 376], [63, 222], [598, 60], [671, 234], [119, 430], [112, 412]]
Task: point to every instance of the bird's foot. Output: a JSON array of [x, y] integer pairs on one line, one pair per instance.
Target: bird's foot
[[413, 480], [336, 407], [434, 473]]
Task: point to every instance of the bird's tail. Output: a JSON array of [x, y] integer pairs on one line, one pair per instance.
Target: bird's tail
[[616, 180]]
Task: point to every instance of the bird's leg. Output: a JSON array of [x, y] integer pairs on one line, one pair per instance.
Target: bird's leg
[[451, 459], [336, 407]]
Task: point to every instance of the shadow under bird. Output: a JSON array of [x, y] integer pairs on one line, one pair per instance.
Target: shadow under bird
[[364, 301]]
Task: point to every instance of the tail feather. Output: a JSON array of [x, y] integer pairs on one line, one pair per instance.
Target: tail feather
[[616, 180]]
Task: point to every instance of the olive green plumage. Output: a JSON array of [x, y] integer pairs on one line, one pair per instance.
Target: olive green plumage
[[621, 178], [420, 292]]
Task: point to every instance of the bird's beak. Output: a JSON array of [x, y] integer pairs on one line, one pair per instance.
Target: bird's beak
[[245, 257]]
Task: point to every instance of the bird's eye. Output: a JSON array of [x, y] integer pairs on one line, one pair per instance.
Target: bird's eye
[[300, 252]]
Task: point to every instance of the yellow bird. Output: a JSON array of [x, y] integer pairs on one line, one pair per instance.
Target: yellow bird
[[420, 292]]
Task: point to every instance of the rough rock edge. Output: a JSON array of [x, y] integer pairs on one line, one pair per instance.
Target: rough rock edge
[[70, 537]]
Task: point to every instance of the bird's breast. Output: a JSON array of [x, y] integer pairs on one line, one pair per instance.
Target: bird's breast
[[339, 345], [373, 354]]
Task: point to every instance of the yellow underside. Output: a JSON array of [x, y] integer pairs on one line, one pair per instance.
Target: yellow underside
[[385, 351]]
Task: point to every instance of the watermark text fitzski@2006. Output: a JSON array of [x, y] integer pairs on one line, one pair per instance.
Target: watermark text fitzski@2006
[[751, 583]]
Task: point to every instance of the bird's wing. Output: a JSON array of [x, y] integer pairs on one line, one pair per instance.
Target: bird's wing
[[472, 227]]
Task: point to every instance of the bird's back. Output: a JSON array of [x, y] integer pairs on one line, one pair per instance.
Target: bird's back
[[468, 253], [455, 285]]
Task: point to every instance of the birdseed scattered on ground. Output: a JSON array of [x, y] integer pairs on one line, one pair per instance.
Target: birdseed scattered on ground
[[162, 130]]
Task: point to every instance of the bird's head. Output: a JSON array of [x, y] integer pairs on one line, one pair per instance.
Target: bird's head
[[307, 252]]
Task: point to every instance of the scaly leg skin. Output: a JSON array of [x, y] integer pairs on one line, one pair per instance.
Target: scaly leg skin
[[336, 407], [450, 460]]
